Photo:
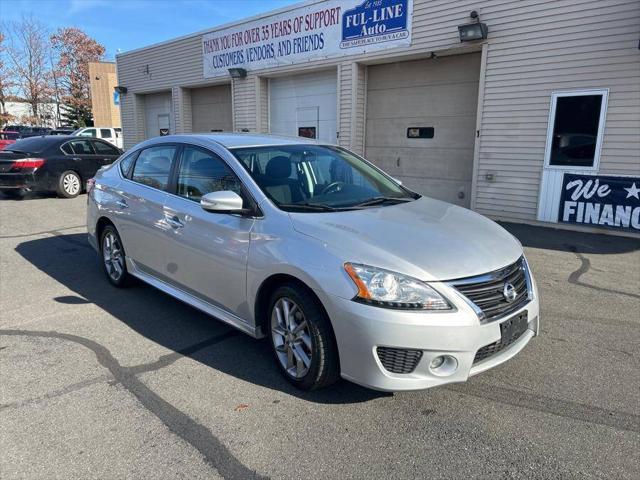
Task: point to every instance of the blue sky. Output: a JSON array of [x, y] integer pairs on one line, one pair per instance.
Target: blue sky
[[129, 24]]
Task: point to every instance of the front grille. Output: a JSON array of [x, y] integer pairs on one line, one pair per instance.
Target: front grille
[[399, 360], [486, 291]]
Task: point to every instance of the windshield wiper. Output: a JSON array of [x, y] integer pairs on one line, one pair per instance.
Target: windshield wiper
[[380, 200], [317, 207]]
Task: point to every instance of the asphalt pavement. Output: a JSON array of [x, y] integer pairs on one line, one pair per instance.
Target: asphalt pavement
[[97, 382]]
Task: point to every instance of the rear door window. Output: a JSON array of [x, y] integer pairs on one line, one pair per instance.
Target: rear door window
[[66, 149], [82, 147], [153, 166], [105, 133], [126, 162], [104, 148]]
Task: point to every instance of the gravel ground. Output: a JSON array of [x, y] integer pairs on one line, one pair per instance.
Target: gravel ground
[[102, 383]]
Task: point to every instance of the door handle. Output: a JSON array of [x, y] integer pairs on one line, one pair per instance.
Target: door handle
[[76, 159], [122, 204], [175, 222]]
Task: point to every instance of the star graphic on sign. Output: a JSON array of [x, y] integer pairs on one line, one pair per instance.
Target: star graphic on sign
[[633, 191]]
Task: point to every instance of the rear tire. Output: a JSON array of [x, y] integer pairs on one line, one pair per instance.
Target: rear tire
[[114, 264], [69, 184], [302, 338]]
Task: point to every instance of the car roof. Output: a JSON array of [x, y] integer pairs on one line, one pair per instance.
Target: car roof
[[235, 140]]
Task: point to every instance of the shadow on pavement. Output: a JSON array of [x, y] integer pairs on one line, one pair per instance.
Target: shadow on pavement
[[26, 196], [71, 261], [571, 241]]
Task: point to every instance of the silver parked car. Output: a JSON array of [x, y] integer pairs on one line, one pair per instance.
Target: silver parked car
[[347, 272]]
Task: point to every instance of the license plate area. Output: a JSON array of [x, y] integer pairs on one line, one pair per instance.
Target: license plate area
[[512, 329]]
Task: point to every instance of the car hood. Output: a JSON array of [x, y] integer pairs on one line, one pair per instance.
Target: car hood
[[427, 239]]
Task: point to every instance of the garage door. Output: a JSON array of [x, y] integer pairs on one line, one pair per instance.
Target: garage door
[[304, 105], [158, 115], [211, 109], [439, 94]]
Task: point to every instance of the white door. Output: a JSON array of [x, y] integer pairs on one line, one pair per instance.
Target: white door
[[158, 114], [304, 105], [574, 141], [437, 99]]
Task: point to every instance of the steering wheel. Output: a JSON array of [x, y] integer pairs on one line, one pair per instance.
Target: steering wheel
[[333, 186]]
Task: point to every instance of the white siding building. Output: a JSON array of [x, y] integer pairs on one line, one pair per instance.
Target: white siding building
[[491, 124]]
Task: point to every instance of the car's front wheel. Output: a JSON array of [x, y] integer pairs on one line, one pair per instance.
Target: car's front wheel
[[113, 257], [302, 338], [69, 184]]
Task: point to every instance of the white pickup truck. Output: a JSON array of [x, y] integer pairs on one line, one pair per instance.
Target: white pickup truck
[[111, 135]]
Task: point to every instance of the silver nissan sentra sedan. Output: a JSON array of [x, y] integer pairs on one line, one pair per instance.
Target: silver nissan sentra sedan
[[347, 272]]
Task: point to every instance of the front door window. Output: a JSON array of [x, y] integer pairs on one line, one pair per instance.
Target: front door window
[[202, 172]]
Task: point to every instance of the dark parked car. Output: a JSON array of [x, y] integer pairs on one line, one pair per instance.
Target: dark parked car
[[26, 131], [53, 163], [61, 131]]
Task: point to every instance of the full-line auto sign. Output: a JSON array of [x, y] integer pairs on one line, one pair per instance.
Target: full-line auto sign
[[601, 201], [332, 28]]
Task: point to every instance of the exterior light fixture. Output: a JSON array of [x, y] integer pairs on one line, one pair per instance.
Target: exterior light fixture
[[120, 89], [473, 31], [237, 72]]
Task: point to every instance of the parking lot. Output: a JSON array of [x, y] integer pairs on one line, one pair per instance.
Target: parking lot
[[104, 383]]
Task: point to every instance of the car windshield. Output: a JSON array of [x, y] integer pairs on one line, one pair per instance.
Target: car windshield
[[319, 178]]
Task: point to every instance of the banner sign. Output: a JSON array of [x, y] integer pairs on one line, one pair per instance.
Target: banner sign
[[611, 202], [332, 28]]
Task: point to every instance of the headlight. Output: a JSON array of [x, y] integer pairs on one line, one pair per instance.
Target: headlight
[[393, 290]]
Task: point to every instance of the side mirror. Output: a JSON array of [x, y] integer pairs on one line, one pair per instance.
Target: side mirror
[[224, 201]]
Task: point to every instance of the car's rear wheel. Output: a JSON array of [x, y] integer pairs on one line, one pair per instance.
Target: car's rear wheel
[[302, 338], [113, 257], [69, 184]]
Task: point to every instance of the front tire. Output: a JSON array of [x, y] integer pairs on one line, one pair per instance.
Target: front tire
[[69, 184], [113, 257], [302, 339]]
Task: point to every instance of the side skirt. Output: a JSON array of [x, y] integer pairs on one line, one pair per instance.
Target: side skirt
[[212, 310]]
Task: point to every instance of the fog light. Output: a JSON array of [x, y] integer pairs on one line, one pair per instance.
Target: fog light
[[443, 365], [437, 362]]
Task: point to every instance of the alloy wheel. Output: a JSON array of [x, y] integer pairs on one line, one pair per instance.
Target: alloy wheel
[[291, 337], [71, 184], [112, 254]]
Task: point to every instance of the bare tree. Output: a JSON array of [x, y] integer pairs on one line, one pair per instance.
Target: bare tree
[[6, 78], [56, 89], [29, 53]]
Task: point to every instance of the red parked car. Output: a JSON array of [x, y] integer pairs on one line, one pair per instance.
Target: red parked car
[[7, 138]]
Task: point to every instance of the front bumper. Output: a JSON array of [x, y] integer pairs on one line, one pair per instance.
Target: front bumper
[[360, 329]]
